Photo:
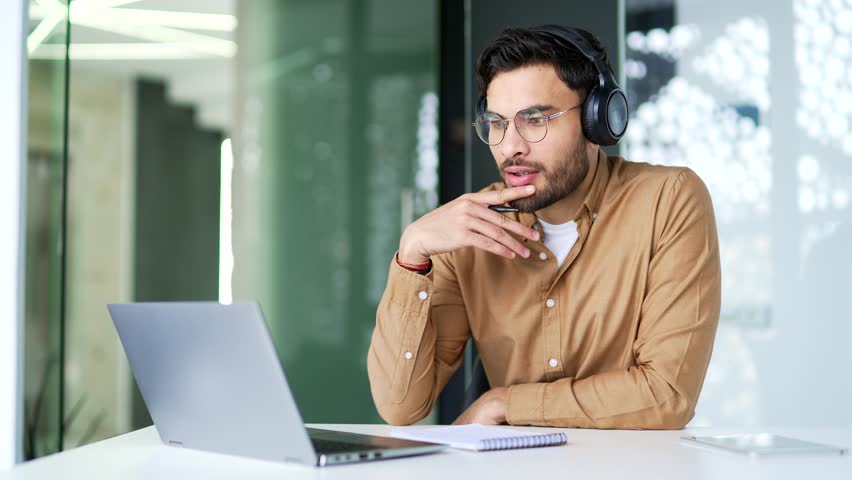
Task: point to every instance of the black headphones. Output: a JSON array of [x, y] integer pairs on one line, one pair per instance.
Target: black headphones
[[604, 114]]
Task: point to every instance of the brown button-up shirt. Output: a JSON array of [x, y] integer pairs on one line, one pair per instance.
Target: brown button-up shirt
[[618, 337]]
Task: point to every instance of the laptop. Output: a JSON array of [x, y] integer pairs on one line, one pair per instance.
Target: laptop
[[211, 379]]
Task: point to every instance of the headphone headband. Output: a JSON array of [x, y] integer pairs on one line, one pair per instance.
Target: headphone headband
[[573, 37]]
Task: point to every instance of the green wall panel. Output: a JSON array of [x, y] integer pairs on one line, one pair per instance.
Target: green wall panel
[[330, 101]]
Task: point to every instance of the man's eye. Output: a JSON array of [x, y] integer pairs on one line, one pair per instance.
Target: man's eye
[[496, 124], [537, 121]]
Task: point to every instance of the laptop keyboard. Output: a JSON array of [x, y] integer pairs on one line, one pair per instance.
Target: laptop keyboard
[[323, 445]]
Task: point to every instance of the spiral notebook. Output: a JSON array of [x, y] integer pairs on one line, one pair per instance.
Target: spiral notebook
[[479, 437]]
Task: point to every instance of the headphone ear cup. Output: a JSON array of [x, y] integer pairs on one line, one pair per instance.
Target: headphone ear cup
[[589, 116], [617, 113]]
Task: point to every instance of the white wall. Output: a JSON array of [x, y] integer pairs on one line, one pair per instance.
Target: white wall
[[12, 134]]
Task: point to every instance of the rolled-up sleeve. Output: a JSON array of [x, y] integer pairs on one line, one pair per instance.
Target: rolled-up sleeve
[[418, 341], [677, 328]]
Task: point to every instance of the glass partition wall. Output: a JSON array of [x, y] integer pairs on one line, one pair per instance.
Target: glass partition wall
[[218, 151], [44, 334]]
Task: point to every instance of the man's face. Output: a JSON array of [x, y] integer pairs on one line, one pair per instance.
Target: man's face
[[556, 165]]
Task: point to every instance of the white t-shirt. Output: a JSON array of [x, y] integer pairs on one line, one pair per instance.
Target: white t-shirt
[[560, 239]]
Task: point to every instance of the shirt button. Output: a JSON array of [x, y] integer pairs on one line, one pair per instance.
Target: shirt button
[[542, 256], [594, 216], [550, 303], [423, 295], [554, 362], [408, 356]]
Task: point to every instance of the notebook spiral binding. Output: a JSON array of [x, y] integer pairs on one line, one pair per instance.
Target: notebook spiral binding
[[524, 442]]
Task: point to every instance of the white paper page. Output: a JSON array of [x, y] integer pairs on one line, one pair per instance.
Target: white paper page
[[468, 437]]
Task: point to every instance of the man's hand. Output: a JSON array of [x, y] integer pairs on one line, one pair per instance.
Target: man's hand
[[467, 222], [489, 409]]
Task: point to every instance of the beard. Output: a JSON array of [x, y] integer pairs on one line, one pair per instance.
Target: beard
[[561, 181]]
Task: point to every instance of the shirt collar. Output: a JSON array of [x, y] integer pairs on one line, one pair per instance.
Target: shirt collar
[[595, 196]]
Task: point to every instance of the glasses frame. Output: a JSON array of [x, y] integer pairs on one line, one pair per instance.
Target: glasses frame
[[505, 123]]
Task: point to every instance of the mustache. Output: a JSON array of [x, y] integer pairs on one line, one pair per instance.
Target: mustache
[[522, 163]]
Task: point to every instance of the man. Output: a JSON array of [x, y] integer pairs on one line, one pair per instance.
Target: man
[[595, 305]]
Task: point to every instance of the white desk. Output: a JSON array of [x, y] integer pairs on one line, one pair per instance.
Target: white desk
[[626, 455]]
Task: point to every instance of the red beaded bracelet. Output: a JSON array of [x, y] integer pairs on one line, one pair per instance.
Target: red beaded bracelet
[[414, 268]]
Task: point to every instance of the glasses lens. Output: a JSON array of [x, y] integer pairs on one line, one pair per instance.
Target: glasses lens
[[532, 125], [490, 128]]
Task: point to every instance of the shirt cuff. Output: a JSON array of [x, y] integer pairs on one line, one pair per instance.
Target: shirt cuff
[[406, 302], [401, 282], [525, 404]]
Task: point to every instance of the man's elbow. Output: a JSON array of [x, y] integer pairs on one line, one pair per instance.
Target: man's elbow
[[398, 414], [672, 415], [396, 409], [676, 419]]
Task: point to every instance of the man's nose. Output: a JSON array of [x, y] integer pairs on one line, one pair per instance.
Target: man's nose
[[513, 143]]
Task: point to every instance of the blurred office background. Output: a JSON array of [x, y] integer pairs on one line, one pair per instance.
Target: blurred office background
[[273, 150]]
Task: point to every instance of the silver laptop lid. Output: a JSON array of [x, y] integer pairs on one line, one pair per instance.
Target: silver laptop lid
[[183, 353]]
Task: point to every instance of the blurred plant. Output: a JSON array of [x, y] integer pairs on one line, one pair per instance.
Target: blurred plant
[[36, 441]]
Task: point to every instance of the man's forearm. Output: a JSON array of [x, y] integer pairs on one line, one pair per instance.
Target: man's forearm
[[416, 345], [636, 398]]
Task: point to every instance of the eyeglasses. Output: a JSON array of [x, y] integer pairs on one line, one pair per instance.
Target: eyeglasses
[[530, 123]]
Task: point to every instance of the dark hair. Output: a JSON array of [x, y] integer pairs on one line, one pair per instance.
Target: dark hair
[[521, 47]]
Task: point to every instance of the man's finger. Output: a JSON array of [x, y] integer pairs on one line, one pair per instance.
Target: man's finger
[[507, 223], [501, 236], [490, 245], [499, 197]]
